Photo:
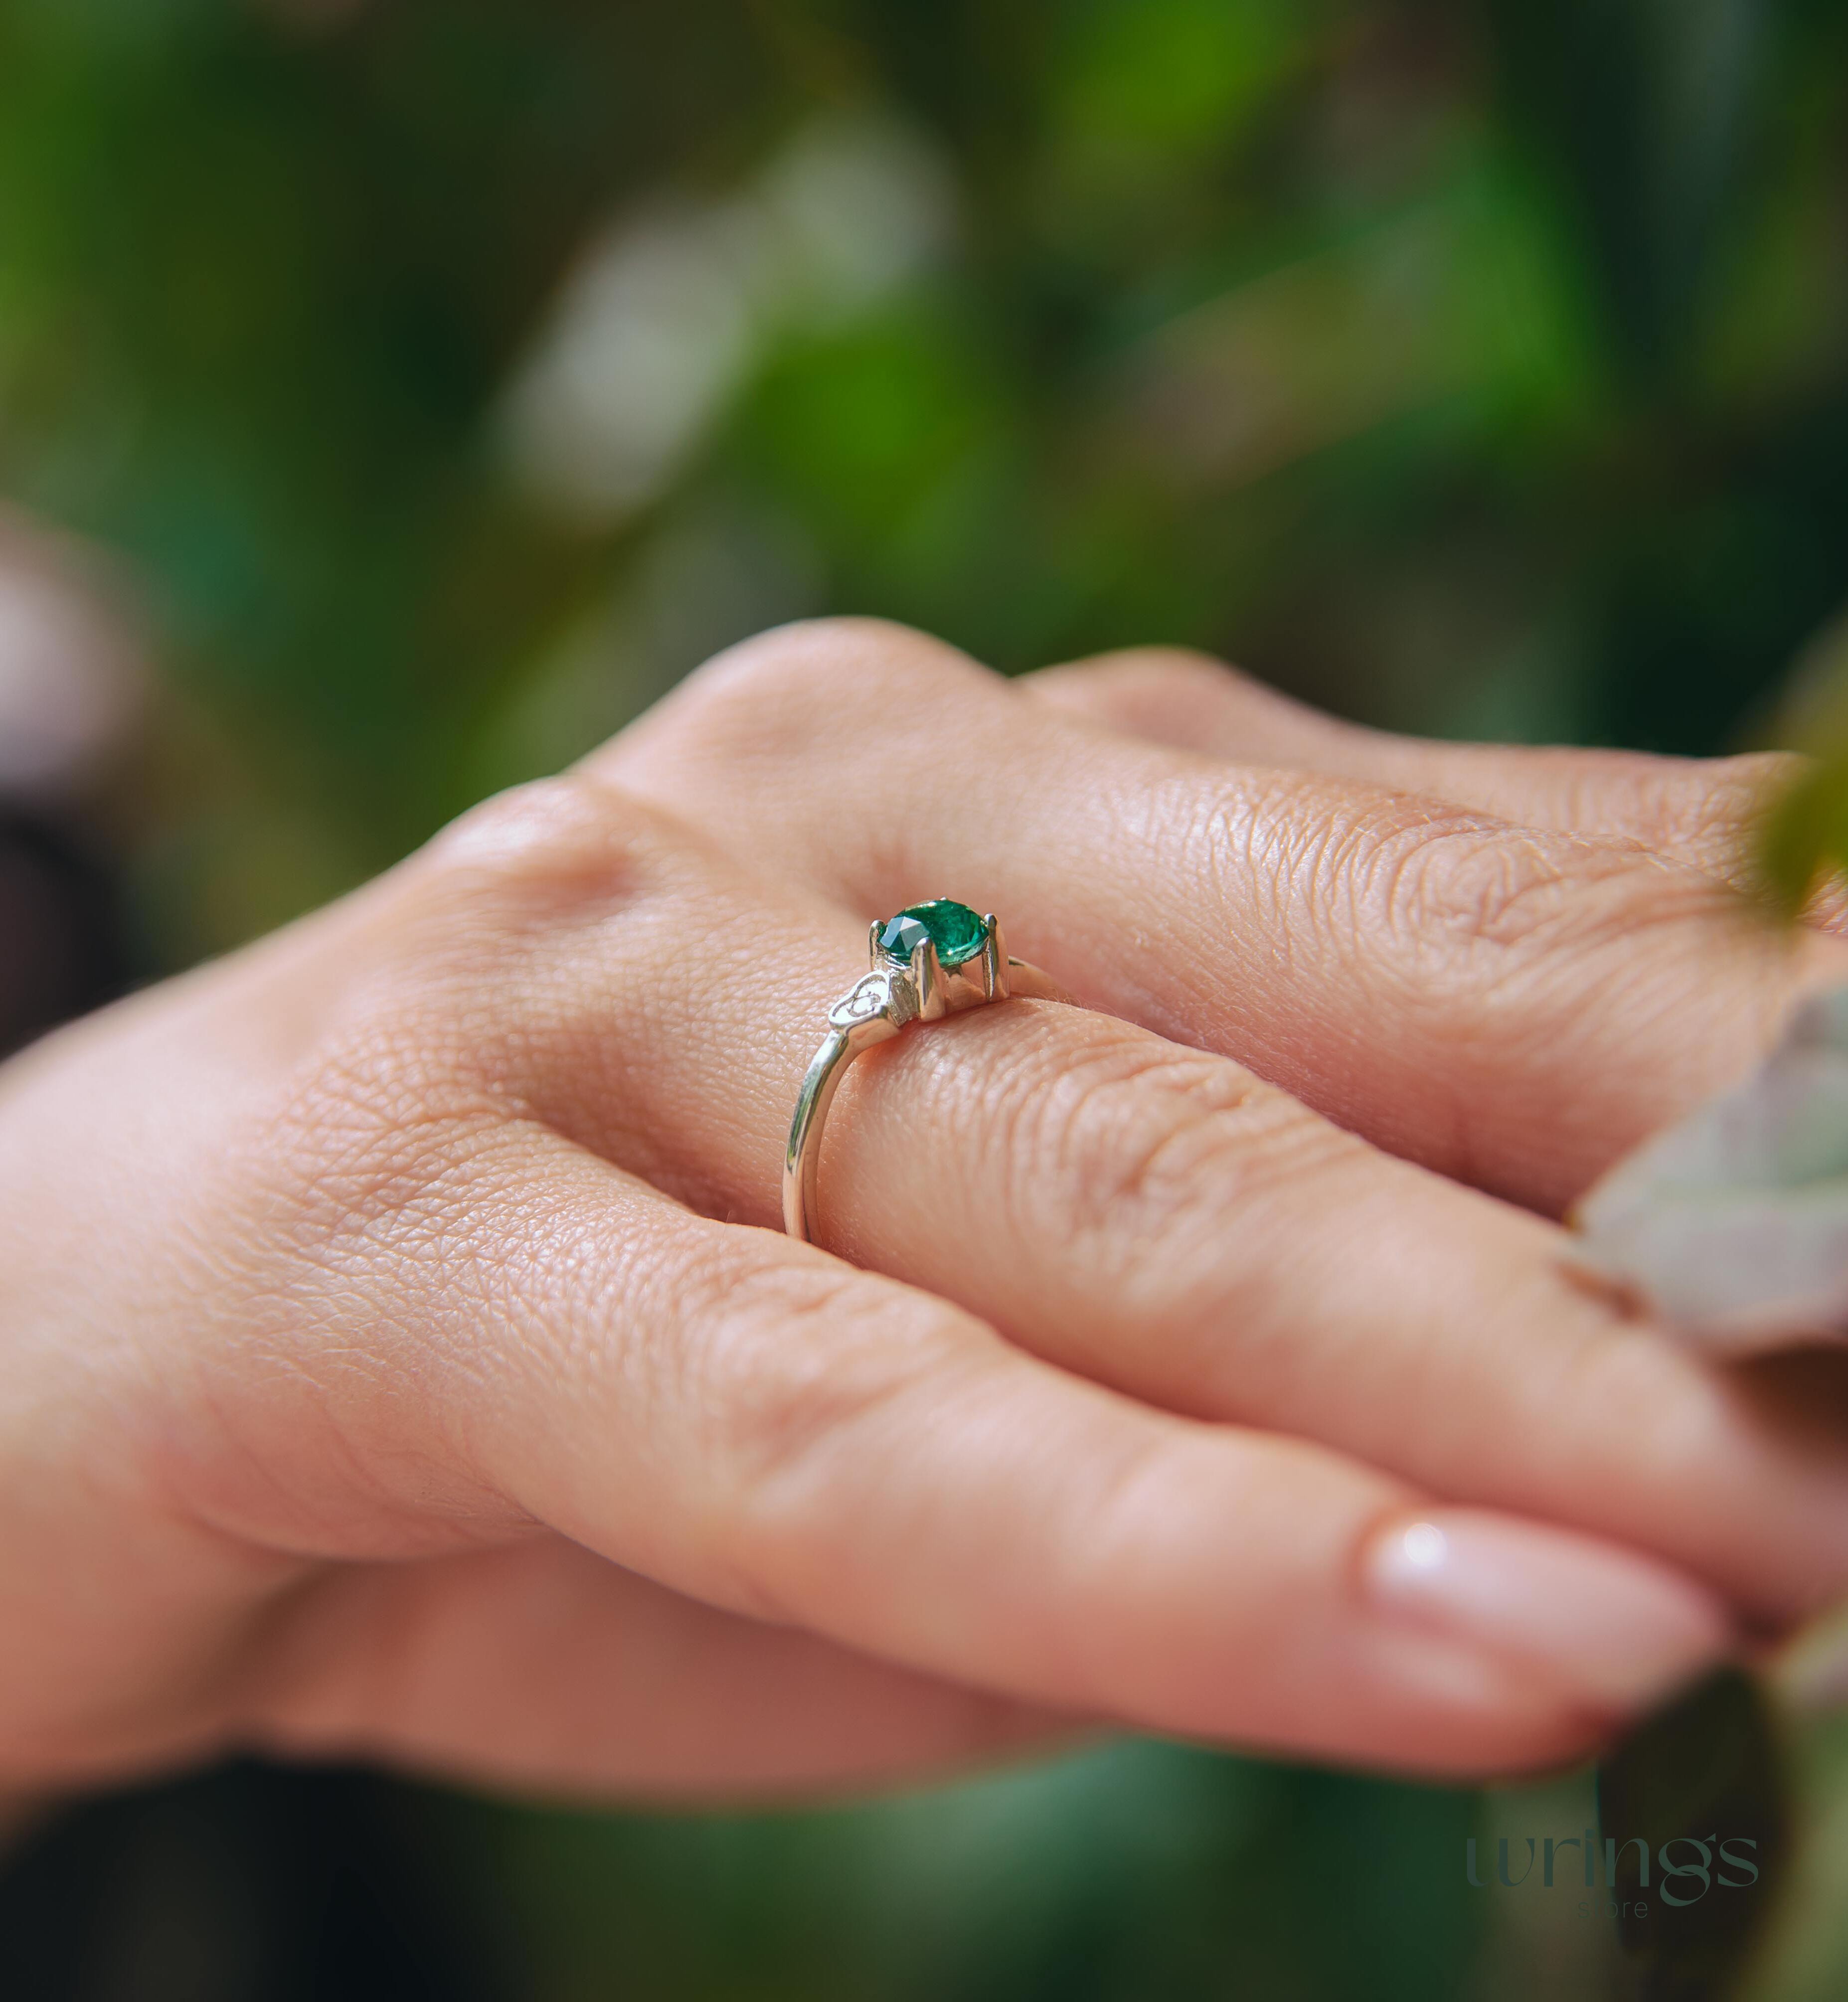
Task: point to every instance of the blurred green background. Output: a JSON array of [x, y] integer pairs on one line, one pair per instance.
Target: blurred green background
[[441, 379]]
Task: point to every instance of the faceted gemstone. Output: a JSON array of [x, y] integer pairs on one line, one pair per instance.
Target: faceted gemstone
[[954, 929]]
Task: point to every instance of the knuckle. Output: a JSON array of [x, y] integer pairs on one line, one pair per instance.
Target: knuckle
[[516, 927], [1138, 670], [1433, 906], [1159, 689], [799, 1351], [792, 1368], [1450, 884], [552, 841], [1134, 1146], [1185, 664], [1518, 896], [780, 693], [1448, 891]]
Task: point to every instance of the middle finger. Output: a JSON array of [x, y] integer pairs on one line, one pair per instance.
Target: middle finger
[[1512, 1007]]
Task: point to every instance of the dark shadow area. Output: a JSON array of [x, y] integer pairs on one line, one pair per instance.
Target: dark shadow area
[[250, 1883]]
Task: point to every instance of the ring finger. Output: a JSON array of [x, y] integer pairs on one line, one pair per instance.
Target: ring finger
[[1513, 1007], [1153, 1216]]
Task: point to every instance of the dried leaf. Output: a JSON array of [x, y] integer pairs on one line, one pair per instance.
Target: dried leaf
[[1733, 1224]]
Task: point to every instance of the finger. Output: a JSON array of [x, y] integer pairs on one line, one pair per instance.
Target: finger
[[1514, 1008], [540, 1666], [484, 1324], [1698, 812], [755, 1424], [1152, 1216]]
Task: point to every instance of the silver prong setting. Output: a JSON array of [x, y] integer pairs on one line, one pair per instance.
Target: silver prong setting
[[994, 960], [927, 976]]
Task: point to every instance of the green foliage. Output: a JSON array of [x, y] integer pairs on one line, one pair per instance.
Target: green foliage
[[1804, 838], [1461, 365], [1711, 1765], [1473, 366]]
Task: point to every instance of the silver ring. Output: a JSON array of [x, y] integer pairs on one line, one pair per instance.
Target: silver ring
[[929, 960]]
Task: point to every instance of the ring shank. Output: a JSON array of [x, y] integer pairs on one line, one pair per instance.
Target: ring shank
[[802, 1157]]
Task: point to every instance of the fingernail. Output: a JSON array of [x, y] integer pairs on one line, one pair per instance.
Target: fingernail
[[1616, 1629]]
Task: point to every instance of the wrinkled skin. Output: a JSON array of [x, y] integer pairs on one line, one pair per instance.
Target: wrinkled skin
[[400, 1357]]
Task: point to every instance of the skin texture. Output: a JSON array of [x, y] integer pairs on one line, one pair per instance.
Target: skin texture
[[399, 1357]]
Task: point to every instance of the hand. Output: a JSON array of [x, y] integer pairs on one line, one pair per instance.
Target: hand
[[391, 1364]]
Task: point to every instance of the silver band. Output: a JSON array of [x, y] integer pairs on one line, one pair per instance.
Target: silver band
[[883, 1002]]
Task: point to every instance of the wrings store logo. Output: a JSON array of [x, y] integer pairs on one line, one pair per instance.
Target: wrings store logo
[[1686, 1867]]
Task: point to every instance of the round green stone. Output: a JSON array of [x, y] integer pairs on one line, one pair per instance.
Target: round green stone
[[954, 929]]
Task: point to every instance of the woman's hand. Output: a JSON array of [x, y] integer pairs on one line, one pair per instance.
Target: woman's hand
[[389, 1361]]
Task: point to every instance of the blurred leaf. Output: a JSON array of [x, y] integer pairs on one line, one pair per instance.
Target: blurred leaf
[[1707, 1769], [1803, 836], [1804, 1956], [1165, 76], [1650, 112]]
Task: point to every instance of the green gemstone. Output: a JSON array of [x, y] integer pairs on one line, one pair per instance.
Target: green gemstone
[[956, 931]]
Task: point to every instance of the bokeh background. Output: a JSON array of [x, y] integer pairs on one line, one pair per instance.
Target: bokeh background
[[396, 398]]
